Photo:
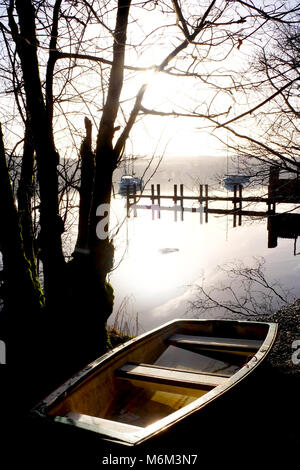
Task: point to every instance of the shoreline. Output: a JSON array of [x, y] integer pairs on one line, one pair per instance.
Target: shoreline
[[283, 357]]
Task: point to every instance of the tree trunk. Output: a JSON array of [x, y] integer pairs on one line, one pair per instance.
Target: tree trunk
[[25, 193], [101, 249], [22, 288], [22, 293], [87, 273], [89, 298], [86, 190], [47, 157]]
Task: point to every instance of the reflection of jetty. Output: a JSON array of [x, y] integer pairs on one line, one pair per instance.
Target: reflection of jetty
[[283, 226], [280, 191]]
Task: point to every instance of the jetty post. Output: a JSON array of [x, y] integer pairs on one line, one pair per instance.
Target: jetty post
[[175, 202], [128, 201], [240, 204], [181, 201], [206, 203], [134, 201], [158, 199], [201, 202]]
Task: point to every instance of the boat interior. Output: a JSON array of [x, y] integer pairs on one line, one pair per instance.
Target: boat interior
[[159, 374]]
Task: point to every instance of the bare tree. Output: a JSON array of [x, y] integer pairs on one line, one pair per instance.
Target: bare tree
[[267, 132]]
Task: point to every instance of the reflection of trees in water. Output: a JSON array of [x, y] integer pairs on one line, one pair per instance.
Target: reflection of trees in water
[[247, 291]]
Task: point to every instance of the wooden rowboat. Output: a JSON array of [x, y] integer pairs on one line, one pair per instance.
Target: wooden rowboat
[[154, 381]]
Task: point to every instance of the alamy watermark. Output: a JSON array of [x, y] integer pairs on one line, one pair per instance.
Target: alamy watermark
[[102, 227], [2, 352], [103, 211], [296, 353]]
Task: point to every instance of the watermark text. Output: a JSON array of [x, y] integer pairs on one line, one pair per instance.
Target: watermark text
[[296, 353], [159, 459], [102, 227], [2, 352], [103, 211]]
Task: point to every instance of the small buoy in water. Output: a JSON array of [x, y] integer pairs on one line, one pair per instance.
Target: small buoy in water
[[164, 251]]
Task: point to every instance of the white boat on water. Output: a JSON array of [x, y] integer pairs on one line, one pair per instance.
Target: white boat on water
[[230, 181], [129, 182], [236, 179]]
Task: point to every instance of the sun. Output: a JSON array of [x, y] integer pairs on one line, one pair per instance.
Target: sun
[[163, 91]]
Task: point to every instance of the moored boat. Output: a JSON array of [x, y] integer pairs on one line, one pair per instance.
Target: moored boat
[[129, 183], [230, 181], [152, 382]]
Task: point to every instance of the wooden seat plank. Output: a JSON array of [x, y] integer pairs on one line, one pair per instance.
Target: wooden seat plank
[[102, 423], [116, 430], [150, 373], [214, 342]]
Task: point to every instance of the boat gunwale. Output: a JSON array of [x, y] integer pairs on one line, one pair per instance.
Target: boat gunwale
[[92, 368], [219, 390], [41, 409]]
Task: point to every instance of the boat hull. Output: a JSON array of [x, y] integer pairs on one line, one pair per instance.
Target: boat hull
[[130, 184], [151, 383]]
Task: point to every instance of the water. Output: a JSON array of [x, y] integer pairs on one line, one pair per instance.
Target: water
[[178, 358], [159, 261]]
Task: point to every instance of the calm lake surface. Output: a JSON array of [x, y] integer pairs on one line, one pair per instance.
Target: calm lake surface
[[157, 262]]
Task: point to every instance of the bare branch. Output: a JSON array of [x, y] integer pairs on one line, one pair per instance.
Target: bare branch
[[132, 118], [181, 19], [272, 16], [260, 105], [176, 114], [71, 55]]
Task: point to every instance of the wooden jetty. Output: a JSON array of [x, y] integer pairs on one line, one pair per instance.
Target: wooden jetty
[[204, 199], [279, 225]]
